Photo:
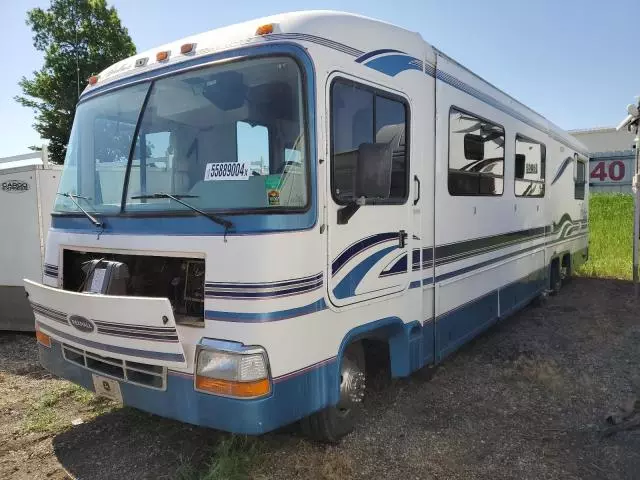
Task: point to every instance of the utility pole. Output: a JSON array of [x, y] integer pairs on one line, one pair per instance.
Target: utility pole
[[632, 124]]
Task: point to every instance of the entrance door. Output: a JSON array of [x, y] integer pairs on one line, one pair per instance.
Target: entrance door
[[369, 237]]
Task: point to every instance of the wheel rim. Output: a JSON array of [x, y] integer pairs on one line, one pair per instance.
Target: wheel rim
[[352, 386]]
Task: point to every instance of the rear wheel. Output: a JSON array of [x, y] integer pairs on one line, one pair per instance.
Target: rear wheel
[[333, 423]]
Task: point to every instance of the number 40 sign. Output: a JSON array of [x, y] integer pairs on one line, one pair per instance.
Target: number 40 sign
[[610, 171]]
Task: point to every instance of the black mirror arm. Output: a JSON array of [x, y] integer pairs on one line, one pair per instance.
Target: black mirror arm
[[346, 212], [349, 210]]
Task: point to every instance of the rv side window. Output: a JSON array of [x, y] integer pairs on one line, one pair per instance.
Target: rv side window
[[360, 115], [476, 155], [530, 167], [580, 180]]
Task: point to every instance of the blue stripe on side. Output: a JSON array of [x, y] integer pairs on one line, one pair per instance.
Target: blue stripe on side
[[367, 56], [259, 317], [134, 352], [470, 268], [293, 397], [513, 296], [263, 294], [348, 285], [305, 37], [283, 283], [359, 246], [456, 327]]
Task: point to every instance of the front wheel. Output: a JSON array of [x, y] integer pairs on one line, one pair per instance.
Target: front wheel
[[333, 423]]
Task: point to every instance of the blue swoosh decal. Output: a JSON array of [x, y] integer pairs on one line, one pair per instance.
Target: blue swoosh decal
[[347, 286], [360, 246], [394, 64]]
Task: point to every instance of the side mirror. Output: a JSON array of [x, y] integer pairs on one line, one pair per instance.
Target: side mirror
[[473, 147], [372, 178], [373, 171]]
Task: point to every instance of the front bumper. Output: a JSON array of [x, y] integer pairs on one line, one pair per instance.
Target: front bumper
[[294, 396]]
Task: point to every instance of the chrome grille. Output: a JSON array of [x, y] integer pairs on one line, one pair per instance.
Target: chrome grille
[[151, 376]]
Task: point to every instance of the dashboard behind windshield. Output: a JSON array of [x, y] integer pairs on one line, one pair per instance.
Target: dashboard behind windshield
[[229, 137]]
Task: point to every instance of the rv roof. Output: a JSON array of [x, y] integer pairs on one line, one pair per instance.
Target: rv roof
[[350, 33]]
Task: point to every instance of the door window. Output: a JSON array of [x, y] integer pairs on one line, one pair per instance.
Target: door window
[[361, 115]]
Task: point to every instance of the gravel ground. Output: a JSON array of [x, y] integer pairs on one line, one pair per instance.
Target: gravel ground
[[527, 399]]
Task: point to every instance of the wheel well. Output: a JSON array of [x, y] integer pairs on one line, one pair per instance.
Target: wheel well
[[377, 361]]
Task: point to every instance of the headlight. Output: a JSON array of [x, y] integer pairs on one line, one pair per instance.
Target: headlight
[[243, 373]]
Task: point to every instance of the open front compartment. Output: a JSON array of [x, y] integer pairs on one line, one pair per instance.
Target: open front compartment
[[179, 279]]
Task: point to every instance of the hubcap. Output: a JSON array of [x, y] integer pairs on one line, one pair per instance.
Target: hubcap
[[352, 386]]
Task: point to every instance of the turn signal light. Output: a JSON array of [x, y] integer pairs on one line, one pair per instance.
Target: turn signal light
[[265, 29], [187, 48], [228, 388], [43, 338], [162, 56]]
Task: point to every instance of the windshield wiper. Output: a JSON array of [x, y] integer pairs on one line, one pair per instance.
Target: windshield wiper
[[73, 197], [214, 218]]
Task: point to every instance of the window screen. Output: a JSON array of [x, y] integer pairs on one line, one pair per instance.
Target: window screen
[[529, 167], [361, 115], [476, 155]]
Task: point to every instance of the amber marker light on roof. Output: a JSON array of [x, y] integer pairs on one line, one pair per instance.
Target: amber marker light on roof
[[162, 56], [93, 79], [265, 29], [187, 48]]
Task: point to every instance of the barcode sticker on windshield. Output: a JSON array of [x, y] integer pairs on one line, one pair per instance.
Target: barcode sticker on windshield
[[226, 171]]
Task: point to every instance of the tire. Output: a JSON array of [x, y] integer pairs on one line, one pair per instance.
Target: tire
[[333, 423]]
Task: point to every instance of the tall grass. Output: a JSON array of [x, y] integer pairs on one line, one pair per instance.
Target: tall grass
[[610, 236], [232, 459]]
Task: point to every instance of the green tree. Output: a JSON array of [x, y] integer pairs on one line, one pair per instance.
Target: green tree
[[79, 38]]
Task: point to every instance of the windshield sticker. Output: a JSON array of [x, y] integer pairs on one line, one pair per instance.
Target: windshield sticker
[[226, 171], [272, 185]]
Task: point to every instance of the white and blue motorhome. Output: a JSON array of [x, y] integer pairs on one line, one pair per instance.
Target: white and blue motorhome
[[244, 215]]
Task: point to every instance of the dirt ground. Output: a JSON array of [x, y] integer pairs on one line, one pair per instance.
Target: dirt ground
[[528, 399]]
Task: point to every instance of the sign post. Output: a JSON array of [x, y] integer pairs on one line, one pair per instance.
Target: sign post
[[632, 124], [636, 207]]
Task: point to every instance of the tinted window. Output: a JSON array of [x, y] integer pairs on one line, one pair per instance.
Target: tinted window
[[390, 124], [580, 180], [361, 116], [476, 155], [529, 167]]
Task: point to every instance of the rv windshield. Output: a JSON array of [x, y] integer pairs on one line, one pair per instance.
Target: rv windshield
[[230, 136]]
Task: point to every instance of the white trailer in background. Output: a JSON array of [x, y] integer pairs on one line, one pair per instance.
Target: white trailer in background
[[28, 185]]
